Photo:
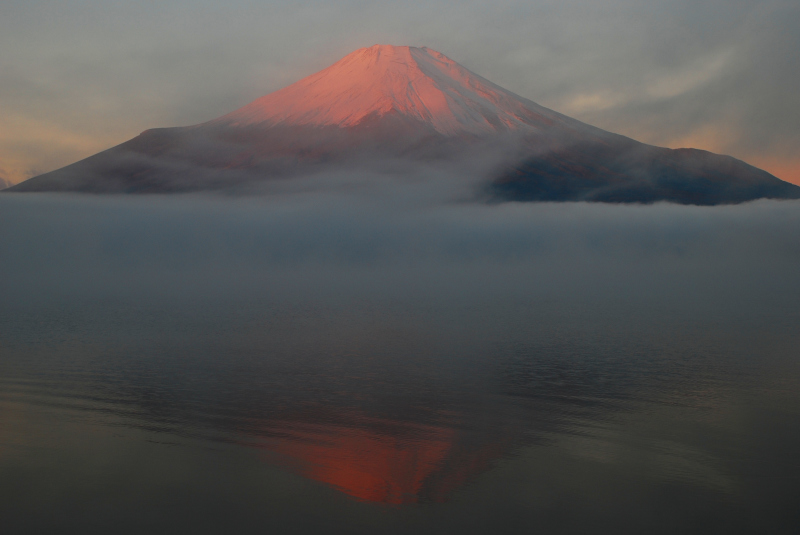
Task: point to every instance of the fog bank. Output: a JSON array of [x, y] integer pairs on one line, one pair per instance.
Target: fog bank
[[313, 247]]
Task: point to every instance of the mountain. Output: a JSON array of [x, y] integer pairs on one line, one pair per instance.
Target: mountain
[[390, 108]]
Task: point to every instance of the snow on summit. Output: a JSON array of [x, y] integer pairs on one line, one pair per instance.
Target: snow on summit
[[419, 83]]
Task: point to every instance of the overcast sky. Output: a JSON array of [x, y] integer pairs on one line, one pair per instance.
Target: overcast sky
[[79, 76]]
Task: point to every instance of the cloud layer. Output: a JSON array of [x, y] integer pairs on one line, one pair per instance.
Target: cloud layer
[[384, 244]]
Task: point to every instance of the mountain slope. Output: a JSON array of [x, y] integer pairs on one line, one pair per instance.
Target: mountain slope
[[624, 171], [388, 107], [417, 83]]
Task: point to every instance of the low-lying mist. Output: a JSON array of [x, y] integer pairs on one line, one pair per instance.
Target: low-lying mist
[[395, 241]]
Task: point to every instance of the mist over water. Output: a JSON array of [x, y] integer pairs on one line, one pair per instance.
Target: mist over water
[[388, 357]]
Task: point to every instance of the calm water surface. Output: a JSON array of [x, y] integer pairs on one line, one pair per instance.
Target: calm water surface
[[161, 373]]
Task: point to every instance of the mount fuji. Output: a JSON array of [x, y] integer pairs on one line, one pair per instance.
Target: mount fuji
[[391, 108]]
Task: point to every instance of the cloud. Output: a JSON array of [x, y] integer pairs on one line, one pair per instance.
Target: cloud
[[152, 247], [4, 182], [691, 78]]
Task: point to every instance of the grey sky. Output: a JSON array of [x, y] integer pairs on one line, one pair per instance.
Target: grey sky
[[78, 76]]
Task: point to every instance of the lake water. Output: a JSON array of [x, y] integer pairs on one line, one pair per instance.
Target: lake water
[[323, 364]]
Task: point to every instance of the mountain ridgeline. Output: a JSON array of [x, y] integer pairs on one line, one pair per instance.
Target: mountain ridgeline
[[386, 109]]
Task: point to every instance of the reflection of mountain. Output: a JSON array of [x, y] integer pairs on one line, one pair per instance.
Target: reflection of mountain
[[396, 108], [369, 414], [396, 445], [379, 461]]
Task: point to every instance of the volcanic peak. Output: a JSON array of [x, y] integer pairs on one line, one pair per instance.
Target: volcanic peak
[[418, 83]]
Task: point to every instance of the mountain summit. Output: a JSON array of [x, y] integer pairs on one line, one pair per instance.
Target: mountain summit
[[418, 83], [400, 110]]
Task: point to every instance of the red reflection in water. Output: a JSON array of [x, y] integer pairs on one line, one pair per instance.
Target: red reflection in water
[[367, 464], [380, 460]]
